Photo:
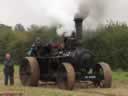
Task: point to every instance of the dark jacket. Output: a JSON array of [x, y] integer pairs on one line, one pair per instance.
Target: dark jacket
[[8, 66]]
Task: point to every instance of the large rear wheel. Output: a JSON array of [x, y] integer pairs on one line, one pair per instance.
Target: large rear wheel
[[66, 76], [104, 70], [29, 71]]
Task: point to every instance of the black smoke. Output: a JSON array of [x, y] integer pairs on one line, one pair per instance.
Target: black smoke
[[94, 12]]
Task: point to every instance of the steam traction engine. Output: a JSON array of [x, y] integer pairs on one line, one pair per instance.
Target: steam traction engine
[[66, 65]]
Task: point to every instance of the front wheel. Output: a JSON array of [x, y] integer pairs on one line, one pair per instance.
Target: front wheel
[[104, 70]]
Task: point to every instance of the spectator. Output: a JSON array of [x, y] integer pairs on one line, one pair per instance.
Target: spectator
[[8, 70]]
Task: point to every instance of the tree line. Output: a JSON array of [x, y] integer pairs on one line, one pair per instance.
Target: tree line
[[17, 41], [108, 43]]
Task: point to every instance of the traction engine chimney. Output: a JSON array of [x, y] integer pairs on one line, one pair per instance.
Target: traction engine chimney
[[79, 26]]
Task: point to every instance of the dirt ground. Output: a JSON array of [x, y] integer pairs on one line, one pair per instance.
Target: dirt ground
[[119, 88]]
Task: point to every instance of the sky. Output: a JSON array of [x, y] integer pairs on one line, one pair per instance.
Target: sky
[[48, 12]]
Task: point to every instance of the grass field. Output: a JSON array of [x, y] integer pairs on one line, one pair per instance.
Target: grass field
[[119, 87]]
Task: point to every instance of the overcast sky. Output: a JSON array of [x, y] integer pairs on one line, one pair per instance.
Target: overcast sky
[[45, 12]]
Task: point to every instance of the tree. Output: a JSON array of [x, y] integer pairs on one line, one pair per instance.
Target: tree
[[5, 28], [33, 28], [19, 28]]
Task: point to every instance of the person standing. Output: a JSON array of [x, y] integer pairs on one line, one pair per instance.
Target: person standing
[[8, 70]]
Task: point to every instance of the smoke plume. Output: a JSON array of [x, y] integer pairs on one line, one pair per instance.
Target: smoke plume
[[93, 11]]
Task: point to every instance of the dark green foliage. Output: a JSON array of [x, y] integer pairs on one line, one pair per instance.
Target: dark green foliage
[[110, 44]]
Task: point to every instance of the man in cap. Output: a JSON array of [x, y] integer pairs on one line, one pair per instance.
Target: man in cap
[[8, 70]]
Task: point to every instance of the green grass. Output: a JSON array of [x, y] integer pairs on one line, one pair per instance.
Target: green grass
[[120, 75]]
